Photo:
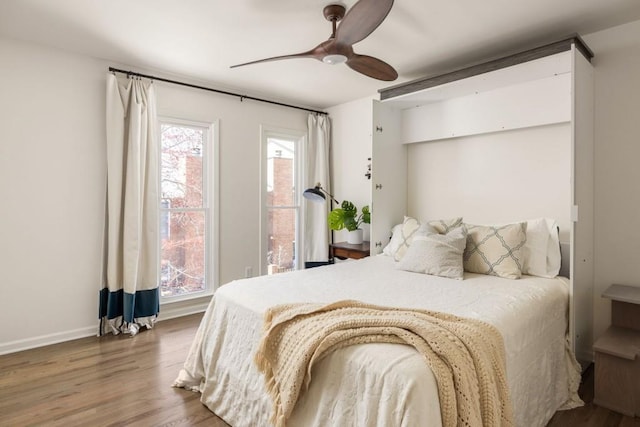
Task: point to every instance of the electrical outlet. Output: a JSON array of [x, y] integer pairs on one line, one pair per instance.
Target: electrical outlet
[[248, 271]]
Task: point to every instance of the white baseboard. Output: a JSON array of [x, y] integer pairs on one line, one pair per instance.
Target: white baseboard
[[183, 308], [167, 311], [44, 340]]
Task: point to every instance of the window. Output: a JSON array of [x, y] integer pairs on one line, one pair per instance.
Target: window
[[281, 189], [186, 214]]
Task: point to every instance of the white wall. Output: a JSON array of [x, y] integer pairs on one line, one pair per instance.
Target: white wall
[[526, 172], [52, 186], [617, 156]]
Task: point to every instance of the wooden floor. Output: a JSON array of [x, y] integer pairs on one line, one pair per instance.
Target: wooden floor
[[107, 381], [124, 381]]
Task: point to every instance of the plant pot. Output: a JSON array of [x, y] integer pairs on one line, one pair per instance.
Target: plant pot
[[355, 237]]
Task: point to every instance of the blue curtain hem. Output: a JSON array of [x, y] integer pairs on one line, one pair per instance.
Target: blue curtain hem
[[144, 303]]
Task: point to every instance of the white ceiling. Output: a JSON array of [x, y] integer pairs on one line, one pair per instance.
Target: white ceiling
[[199, 39]]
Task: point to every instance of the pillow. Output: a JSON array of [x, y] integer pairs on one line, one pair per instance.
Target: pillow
[[404, 233], [495, 250], [436, 254], [409, 227], [394, 242], [554, 257], [443, 226], [542, 250]]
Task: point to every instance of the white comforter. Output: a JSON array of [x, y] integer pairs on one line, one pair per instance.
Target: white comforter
[[382, 384]]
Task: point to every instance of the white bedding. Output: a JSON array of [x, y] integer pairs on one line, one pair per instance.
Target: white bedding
[[382, 384]]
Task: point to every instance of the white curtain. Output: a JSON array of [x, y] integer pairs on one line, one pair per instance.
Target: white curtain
[[318, 171], [129, 296]]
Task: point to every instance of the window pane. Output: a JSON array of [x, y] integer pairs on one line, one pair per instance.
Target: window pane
[[281, 231], [182, 181], [183, 253], [280, 172]]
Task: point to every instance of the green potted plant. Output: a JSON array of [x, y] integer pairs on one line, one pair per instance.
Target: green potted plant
[[346, 216]]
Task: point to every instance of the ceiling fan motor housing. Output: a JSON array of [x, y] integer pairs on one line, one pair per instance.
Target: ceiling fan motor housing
[[334, 12]]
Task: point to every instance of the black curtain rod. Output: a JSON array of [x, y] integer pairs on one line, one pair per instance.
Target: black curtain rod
[[242, 97]]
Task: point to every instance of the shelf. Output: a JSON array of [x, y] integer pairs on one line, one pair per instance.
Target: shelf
[[617, 365], [623, 293], [619, 342]]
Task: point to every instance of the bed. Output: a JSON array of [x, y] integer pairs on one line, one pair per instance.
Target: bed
[[379, 384]]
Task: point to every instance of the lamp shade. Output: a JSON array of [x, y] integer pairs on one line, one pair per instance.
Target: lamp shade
[[318, 194], [314, 194]]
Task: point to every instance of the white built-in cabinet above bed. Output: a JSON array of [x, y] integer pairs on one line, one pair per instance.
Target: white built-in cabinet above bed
[[532, 114]]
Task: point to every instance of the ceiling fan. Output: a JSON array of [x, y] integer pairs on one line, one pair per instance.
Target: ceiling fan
[[360, 21]]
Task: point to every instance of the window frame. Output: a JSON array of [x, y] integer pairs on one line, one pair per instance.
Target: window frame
[[299, 138], [210, 203]]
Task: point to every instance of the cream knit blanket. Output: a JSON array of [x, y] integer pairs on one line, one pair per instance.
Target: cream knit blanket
[[465, 355]]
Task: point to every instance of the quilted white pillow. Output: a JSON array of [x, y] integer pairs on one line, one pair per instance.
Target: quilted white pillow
[[495, 250], [436, 254]]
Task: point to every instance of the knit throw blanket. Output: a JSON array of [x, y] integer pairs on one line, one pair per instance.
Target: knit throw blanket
[[465, 355]]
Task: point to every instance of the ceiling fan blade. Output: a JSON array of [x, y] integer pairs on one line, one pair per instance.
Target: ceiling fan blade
[[361, 20], [310, 54], [372, 67]]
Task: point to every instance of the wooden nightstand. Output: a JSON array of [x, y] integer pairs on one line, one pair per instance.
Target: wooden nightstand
[[343, 250], [617, 354]]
